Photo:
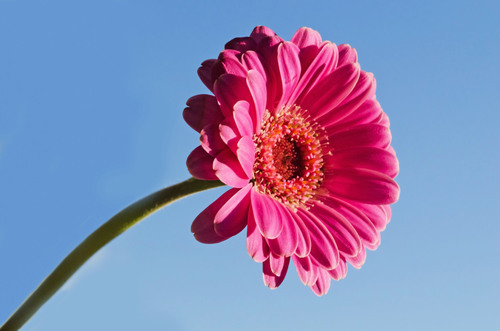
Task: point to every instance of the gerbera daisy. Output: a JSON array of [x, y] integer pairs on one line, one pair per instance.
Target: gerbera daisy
[[294, 128]]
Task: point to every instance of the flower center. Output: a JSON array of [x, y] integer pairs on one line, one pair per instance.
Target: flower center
[[289, 159]]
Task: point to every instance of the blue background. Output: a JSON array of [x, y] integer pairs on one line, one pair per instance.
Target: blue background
[[91, 97]]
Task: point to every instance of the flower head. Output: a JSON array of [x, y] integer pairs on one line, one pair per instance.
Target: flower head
[[294, 128]]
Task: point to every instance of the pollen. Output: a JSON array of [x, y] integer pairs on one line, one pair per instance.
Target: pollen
[[289, 158]]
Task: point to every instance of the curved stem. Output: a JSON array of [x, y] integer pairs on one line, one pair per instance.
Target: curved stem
[[116, 225]]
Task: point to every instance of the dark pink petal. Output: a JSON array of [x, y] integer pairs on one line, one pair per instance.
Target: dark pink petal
[[230, 64], [305, 37], [241, 44], [246, 155], [347, 54], [211, 141], [200, 164], [205, 73], [366, 135], [309, 42], [261, 32], [229, 133], [340, 272], [252, 61], [307, 272], [372, 158], [257, 86], [229, 89], [324, 249], [289, 69], [231, 218], [384, 120], [276, 263], [203, 225], [362, 91], [322, 284], [331, 90], [358, 260], [256, 244], [368, 112], [287, 241], [228, 169], [267, 217], [361, 223], [242, 118], [362, 185], [270, 279], [322, 65], [346, 237], [304, 239], [377, 214], [202, 110]]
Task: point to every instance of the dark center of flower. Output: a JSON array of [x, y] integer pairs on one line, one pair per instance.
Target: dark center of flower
[[289, 158]]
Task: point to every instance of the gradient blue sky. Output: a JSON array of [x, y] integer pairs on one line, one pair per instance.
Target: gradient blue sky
[[91, 97]]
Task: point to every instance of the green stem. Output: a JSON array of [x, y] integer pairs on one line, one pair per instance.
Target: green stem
[[125, 219]]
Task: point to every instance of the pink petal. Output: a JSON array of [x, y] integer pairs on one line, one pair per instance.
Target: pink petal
[[228, 169], [205, 73], [322, 284], [203, 224], [362, 185], [258, 91], [384, 120], [358, 260], [243, 119], [347, 54], [324, 249], [241, 44], [308, 274], [331, 90], [202, 110], [231, 218], [323, 64], [304, 239], [377, 214], [305, 37], [229, 89], [340, 272], [252, 61], [346, 237], [372, 158], [229, 133], [270, 279], [276, 263], [267, 216], [368, 112], [287, 241], [211, 141], [256, 244], [361, 223], [366, 135], [246, 155], [364, 90], [309, 42], [230, 64], [199, 164], [261, 32], [289, 68]]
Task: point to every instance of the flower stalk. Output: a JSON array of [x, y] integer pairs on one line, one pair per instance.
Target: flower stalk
[[116, 225]]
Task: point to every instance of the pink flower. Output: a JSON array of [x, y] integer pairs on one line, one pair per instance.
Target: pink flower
[[295, 129]]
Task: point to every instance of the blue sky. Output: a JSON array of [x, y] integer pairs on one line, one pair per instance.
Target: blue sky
[[91, 100]]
